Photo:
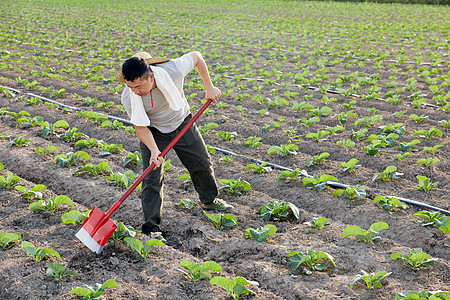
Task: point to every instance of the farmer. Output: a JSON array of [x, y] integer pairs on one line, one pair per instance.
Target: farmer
[[154, 100]]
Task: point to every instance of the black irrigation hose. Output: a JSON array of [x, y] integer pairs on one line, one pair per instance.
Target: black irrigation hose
[[302, 173]]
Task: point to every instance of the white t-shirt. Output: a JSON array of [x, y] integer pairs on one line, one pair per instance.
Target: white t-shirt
[[161, 116]]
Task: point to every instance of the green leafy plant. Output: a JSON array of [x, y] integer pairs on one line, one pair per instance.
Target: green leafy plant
[[204, 130], [425, 184], [311, 259], [133, 159], [122, 231], [122, 180], [318, 222], [352, 192], [45, 151], [10, 181], [369, 121], [430, 219], [389, 203], [227, 158], [143, 250], [58, 271], [34, 193], [279, 210], [259, 168], [94, 170], [227, 136], [236, 287], [428, 134], [270, 127], [317, 136], [347, 144], [415, 258], [372, 280], [308, 122], [94, 292], [363, 235], [388, 174], [235, 186], [419, 119], [432, 149], [350, 166], [74, 217], [51, 205], [318, 159], [185, 178], [423, 295], [252, 141], [196, 272], [48, 128], [71, 135], [39, 253], [261, 234], [70, 158], [428, 161], [402, 156], [319, 183], [283, 150], [7, 240], [108, 149], [186, 203], [91, 143], [222, 221], [358, 134], [19, 142]]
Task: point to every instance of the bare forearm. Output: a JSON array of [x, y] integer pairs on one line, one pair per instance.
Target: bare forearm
[[146, 136]]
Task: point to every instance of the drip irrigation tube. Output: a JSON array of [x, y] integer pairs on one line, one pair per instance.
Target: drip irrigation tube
[[302, 173]]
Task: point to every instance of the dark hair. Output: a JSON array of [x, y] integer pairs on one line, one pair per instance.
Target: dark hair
[[134, 68]]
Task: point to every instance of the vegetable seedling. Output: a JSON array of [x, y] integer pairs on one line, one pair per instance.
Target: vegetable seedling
[[387, 174], [45, 151], [372, 280], [350, 166], [235, 186], [279, 210], [252, 141], [428, 161], [221, 221], [291, 175], [196, 272], [283, 150], [319, 183], [51, 205], [70, 158], [389, 203], [95, 291], [19, 142], [227, 136], [74, 217], [10, 181], [352, 192], [430, 219], [143, 250], [423, 295], [108, 149], [133, 159], [34, 193], [428, 134], [186, 203], [94, 170], [425, 184], [259, 168], [122, 180], [311, 259], [38, 253], [123, 231], [261, 234], [7, 240], [318, 136], [415, 258], [204, 130], [236, 287], [58, 271], [318, 222], [317, 159], [363, 235]]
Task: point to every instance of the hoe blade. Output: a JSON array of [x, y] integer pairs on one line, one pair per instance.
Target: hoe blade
[[96, 230]]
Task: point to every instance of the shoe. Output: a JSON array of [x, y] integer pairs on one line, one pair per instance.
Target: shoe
[[218, 204], [156, 235]]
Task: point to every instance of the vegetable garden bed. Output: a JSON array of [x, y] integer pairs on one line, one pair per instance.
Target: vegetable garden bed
[[355, 81]]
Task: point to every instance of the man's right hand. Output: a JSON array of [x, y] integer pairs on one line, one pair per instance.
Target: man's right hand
[[158, 160]]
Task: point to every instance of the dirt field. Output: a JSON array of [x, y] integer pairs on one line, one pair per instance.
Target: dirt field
[[189, 234]]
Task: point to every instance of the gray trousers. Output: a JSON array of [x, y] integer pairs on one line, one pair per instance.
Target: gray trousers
[[191, 150]]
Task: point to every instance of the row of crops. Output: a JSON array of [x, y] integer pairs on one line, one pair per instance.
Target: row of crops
[[350, 93]]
